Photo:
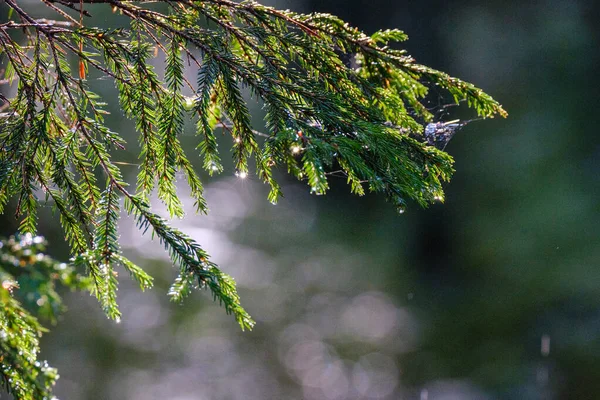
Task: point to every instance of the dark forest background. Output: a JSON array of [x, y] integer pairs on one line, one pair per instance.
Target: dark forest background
[[493, 295]]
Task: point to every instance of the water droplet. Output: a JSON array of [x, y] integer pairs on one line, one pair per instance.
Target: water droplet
[[545, 345]]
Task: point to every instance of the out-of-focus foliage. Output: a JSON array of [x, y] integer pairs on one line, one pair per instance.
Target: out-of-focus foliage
[[29, 280]]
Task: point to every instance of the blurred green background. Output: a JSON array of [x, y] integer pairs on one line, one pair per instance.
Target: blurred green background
[[493, 295]]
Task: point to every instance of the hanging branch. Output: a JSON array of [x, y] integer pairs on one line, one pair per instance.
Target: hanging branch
[[325, 116]]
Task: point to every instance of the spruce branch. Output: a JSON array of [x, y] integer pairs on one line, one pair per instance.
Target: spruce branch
[[29, 281], [337, 102]]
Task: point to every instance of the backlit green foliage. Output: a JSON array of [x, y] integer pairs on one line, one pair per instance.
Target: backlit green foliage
[[362, 118], [29, 280]]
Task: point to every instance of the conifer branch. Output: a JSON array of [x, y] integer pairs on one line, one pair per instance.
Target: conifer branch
[[324, 117]]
